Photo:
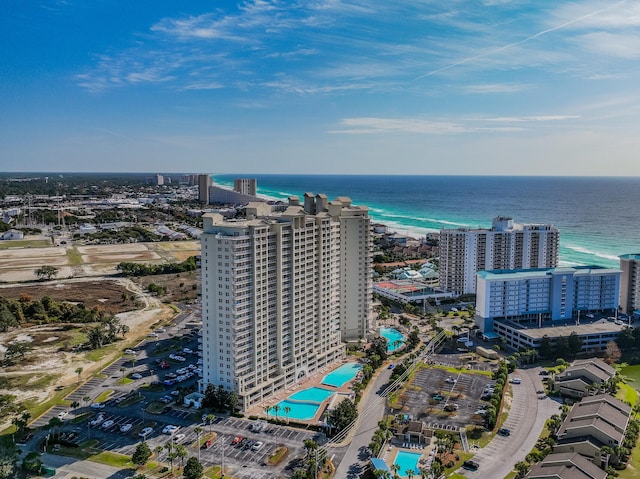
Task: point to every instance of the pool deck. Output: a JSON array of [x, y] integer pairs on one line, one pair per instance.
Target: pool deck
[[428, 452], [314, 379]]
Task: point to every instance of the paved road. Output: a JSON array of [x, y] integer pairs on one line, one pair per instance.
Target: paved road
[[356, 456], [526, 420]]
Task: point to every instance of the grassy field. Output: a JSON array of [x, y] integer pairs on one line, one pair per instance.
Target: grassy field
[[632, 373], [24, 244], [633, 467], [627, 394]]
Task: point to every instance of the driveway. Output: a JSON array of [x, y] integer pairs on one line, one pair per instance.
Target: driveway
[[526, 421]]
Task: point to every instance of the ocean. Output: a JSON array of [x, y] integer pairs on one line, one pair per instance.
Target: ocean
[[598, 218]]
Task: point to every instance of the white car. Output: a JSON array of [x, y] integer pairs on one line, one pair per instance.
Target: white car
[[515, 381], [129, 351], [187, 351], [97, 420], [126, 427], [107, 424], [63, 414], [97, 405], [152, 335], [257, 446], [178, 437], [136, 376], [145, 432], [161, 330], [170, 429]]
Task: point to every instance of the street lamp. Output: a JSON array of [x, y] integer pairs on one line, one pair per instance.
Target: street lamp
[[222, 467]]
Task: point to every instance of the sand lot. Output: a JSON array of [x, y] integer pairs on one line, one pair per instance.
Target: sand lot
[[18, 264]]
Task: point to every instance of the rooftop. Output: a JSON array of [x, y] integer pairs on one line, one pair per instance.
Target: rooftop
[[565, 328], [569, 465], [513, 274]]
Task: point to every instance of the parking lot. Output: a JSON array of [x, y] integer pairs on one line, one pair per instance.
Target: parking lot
[[118, 410], [444, 399]]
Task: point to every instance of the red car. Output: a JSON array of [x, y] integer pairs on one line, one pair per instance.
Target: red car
[[236, 440]]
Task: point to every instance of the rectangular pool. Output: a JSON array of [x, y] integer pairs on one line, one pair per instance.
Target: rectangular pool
[[342, 375], [406, 461]]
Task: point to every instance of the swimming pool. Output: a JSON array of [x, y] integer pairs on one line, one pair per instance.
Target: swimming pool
[[303, 411], [407, 460], [392, 337], [342, 375], [313, 394], [302, 405]]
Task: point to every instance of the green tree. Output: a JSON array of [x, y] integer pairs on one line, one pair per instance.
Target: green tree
[[8, 459], [79, 372], [193, 469], [574, 343], [545, 347], [46, 272], [343, 415], [142, 454], [521, 469], [16, 351]]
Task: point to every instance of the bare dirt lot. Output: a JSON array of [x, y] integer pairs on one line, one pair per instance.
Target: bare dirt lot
[[85, 275]]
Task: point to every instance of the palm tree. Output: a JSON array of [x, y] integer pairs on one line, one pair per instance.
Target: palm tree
[[276, 408], [382, 474], [75, 405], [181, 453], [210, 418], [123, 370], [171, 455], [409, 473], [79, 372], [158, 450], [286, 410], [198, 431], [266, 410], [395, 468], [86, 400]]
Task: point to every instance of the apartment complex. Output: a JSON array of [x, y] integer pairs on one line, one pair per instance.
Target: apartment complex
[[630, 283], [281, 291], [246, 186], [204, 183], [522, 306], [507, 245]]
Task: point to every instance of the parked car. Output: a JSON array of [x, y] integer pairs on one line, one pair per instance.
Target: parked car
[[504, 432], [515, 381], [63, 414], [236, 440], [136, 376], [97, 405], [145, 432], [169, 429], [257, 446], [107, 424], [187, 351], [179, 437], [126, 427], [129, 351]]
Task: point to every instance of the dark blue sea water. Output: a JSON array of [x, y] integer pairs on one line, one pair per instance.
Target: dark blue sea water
[[598, 218]]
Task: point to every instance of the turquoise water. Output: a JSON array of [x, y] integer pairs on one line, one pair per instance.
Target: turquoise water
[[407, 460], [304, 405], [592, 213], [392, 336], [303, 411], [313, 394], [342, 375]]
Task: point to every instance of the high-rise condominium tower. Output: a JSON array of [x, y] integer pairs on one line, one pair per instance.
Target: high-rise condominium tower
[[507, 245], [281, 291], [630, 283]]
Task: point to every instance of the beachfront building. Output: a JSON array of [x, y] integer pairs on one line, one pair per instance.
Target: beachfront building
[[630, 284], [280, 291], [568, 465], [507, 245], [523, 306], [245, 186], [204, 183]]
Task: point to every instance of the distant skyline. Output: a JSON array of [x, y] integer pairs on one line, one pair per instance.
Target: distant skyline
[[462, 87]]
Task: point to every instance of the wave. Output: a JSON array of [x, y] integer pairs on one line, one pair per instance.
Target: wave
[[597, 254]]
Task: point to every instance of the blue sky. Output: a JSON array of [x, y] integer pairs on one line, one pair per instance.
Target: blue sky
[[522, 87]]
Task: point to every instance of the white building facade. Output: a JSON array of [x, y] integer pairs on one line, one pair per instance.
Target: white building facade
[[280, 292], [507, 245]]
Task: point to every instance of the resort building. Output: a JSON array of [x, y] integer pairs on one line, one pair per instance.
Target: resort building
[[406, 291], [594, 422], [522, 306], [280, 291], [245, 186], [583, 377], [204, 183], [507, 245], [630, 284]]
